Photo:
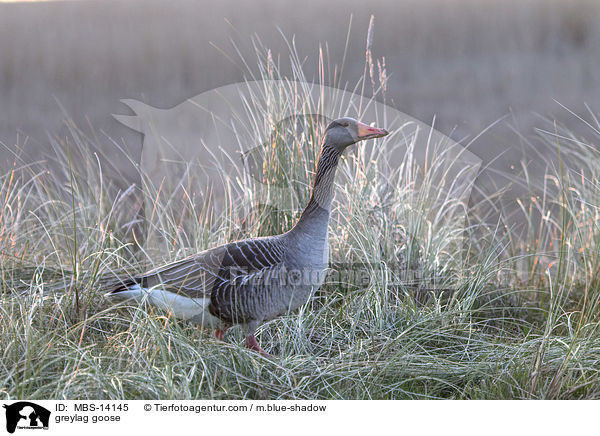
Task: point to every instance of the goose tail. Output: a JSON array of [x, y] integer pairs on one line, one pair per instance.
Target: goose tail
[[191, 309]]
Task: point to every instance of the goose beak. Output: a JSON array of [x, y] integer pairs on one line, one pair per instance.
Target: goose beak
[[368, 132]]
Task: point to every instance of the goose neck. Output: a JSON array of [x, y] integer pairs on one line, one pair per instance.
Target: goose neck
[[319, 206]]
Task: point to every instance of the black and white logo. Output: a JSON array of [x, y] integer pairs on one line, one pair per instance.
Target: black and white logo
[[26, 415]]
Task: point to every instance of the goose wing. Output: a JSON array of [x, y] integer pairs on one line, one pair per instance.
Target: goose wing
[[215, 270]]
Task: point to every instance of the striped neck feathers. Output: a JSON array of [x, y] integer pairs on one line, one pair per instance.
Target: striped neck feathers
[[319, 204]]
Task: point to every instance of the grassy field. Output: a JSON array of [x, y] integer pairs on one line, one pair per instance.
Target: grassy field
[[490, 316]]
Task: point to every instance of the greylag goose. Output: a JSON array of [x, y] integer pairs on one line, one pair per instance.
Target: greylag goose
[[255, 280]]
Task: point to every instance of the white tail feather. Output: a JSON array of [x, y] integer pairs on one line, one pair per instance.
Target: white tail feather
[[192, 309]]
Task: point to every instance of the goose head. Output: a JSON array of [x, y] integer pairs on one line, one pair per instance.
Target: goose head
[[344, 132]]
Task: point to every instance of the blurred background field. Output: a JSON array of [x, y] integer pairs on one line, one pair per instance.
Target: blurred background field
[[468, 62]]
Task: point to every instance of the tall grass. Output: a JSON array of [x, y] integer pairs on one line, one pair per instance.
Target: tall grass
[[456, 320]]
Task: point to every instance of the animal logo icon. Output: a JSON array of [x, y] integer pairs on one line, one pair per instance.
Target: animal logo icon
[[26, 415]]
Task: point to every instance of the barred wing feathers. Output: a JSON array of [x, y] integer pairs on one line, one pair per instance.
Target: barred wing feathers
[[213, 271]]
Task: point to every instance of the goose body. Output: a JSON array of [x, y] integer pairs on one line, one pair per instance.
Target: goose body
[[254, 280]]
